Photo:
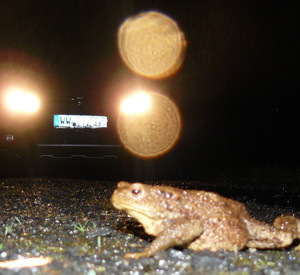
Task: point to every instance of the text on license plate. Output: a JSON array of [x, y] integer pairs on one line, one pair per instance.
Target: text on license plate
[[80, 121]]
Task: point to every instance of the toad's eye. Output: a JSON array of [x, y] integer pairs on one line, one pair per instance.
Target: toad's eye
[[135, 192]]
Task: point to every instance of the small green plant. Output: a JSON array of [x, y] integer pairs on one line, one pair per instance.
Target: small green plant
[[79, 227], [8, 230], [18, 220], [99, 241]]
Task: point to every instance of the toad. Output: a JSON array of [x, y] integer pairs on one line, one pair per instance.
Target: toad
[[199, 220]]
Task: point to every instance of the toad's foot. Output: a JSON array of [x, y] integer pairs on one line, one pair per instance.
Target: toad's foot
[[288, 223]]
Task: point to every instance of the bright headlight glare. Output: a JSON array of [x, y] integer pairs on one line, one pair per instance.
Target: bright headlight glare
[[22, 101], [138, 103]]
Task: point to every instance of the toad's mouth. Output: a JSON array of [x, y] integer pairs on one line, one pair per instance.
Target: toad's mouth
[[151, 223], [134, 211]]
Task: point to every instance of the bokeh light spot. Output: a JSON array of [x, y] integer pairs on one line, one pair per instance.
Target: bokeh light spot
[[152, 133], [151, 44]]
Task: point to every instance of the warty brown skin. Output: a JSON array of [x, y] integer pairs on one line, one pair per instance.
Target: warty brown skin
[[199, 220]]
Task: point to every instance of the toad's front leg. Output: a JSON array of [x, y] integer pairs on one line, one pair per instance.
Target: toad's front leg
[[180, 232]]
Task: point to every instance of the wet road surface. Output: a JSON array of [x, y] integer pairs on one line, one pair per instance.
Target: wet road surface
[[72, 225]]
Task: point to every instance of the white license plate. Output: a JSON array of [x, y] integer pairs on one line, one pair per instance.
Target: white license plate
[[79, 121]]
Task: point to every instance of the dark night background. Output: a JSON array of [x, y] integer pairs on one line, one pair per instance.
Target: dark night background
[[237, 89]]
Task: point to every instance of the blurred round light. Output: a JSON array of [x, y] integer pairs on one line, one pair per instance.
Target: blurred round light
[[151, 44], [138, 103], [152, 133], [18, 100]]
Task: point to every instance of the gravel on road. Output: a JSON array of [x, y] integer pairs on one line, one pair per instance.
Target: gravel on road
[[71, 225]]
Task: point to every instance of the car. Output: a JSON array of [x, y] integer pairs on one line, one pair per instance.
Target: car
[[39, 130]]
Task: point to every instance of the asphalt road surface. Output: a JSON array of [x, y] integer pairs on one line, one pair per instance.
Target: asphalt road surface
[[70, 227]]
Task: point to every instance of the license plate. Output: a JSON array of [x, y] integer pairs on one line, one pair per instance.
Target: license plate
[[80, 121]]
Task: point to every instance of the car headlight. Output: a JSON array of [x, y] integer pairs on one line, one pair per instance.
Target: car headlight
[[22, 101], [137, 103]]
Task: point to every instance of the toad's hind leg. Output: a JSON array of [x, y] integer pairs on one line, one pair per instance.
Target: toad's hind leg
[[288, 223], [262, 235], [221, 235]]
